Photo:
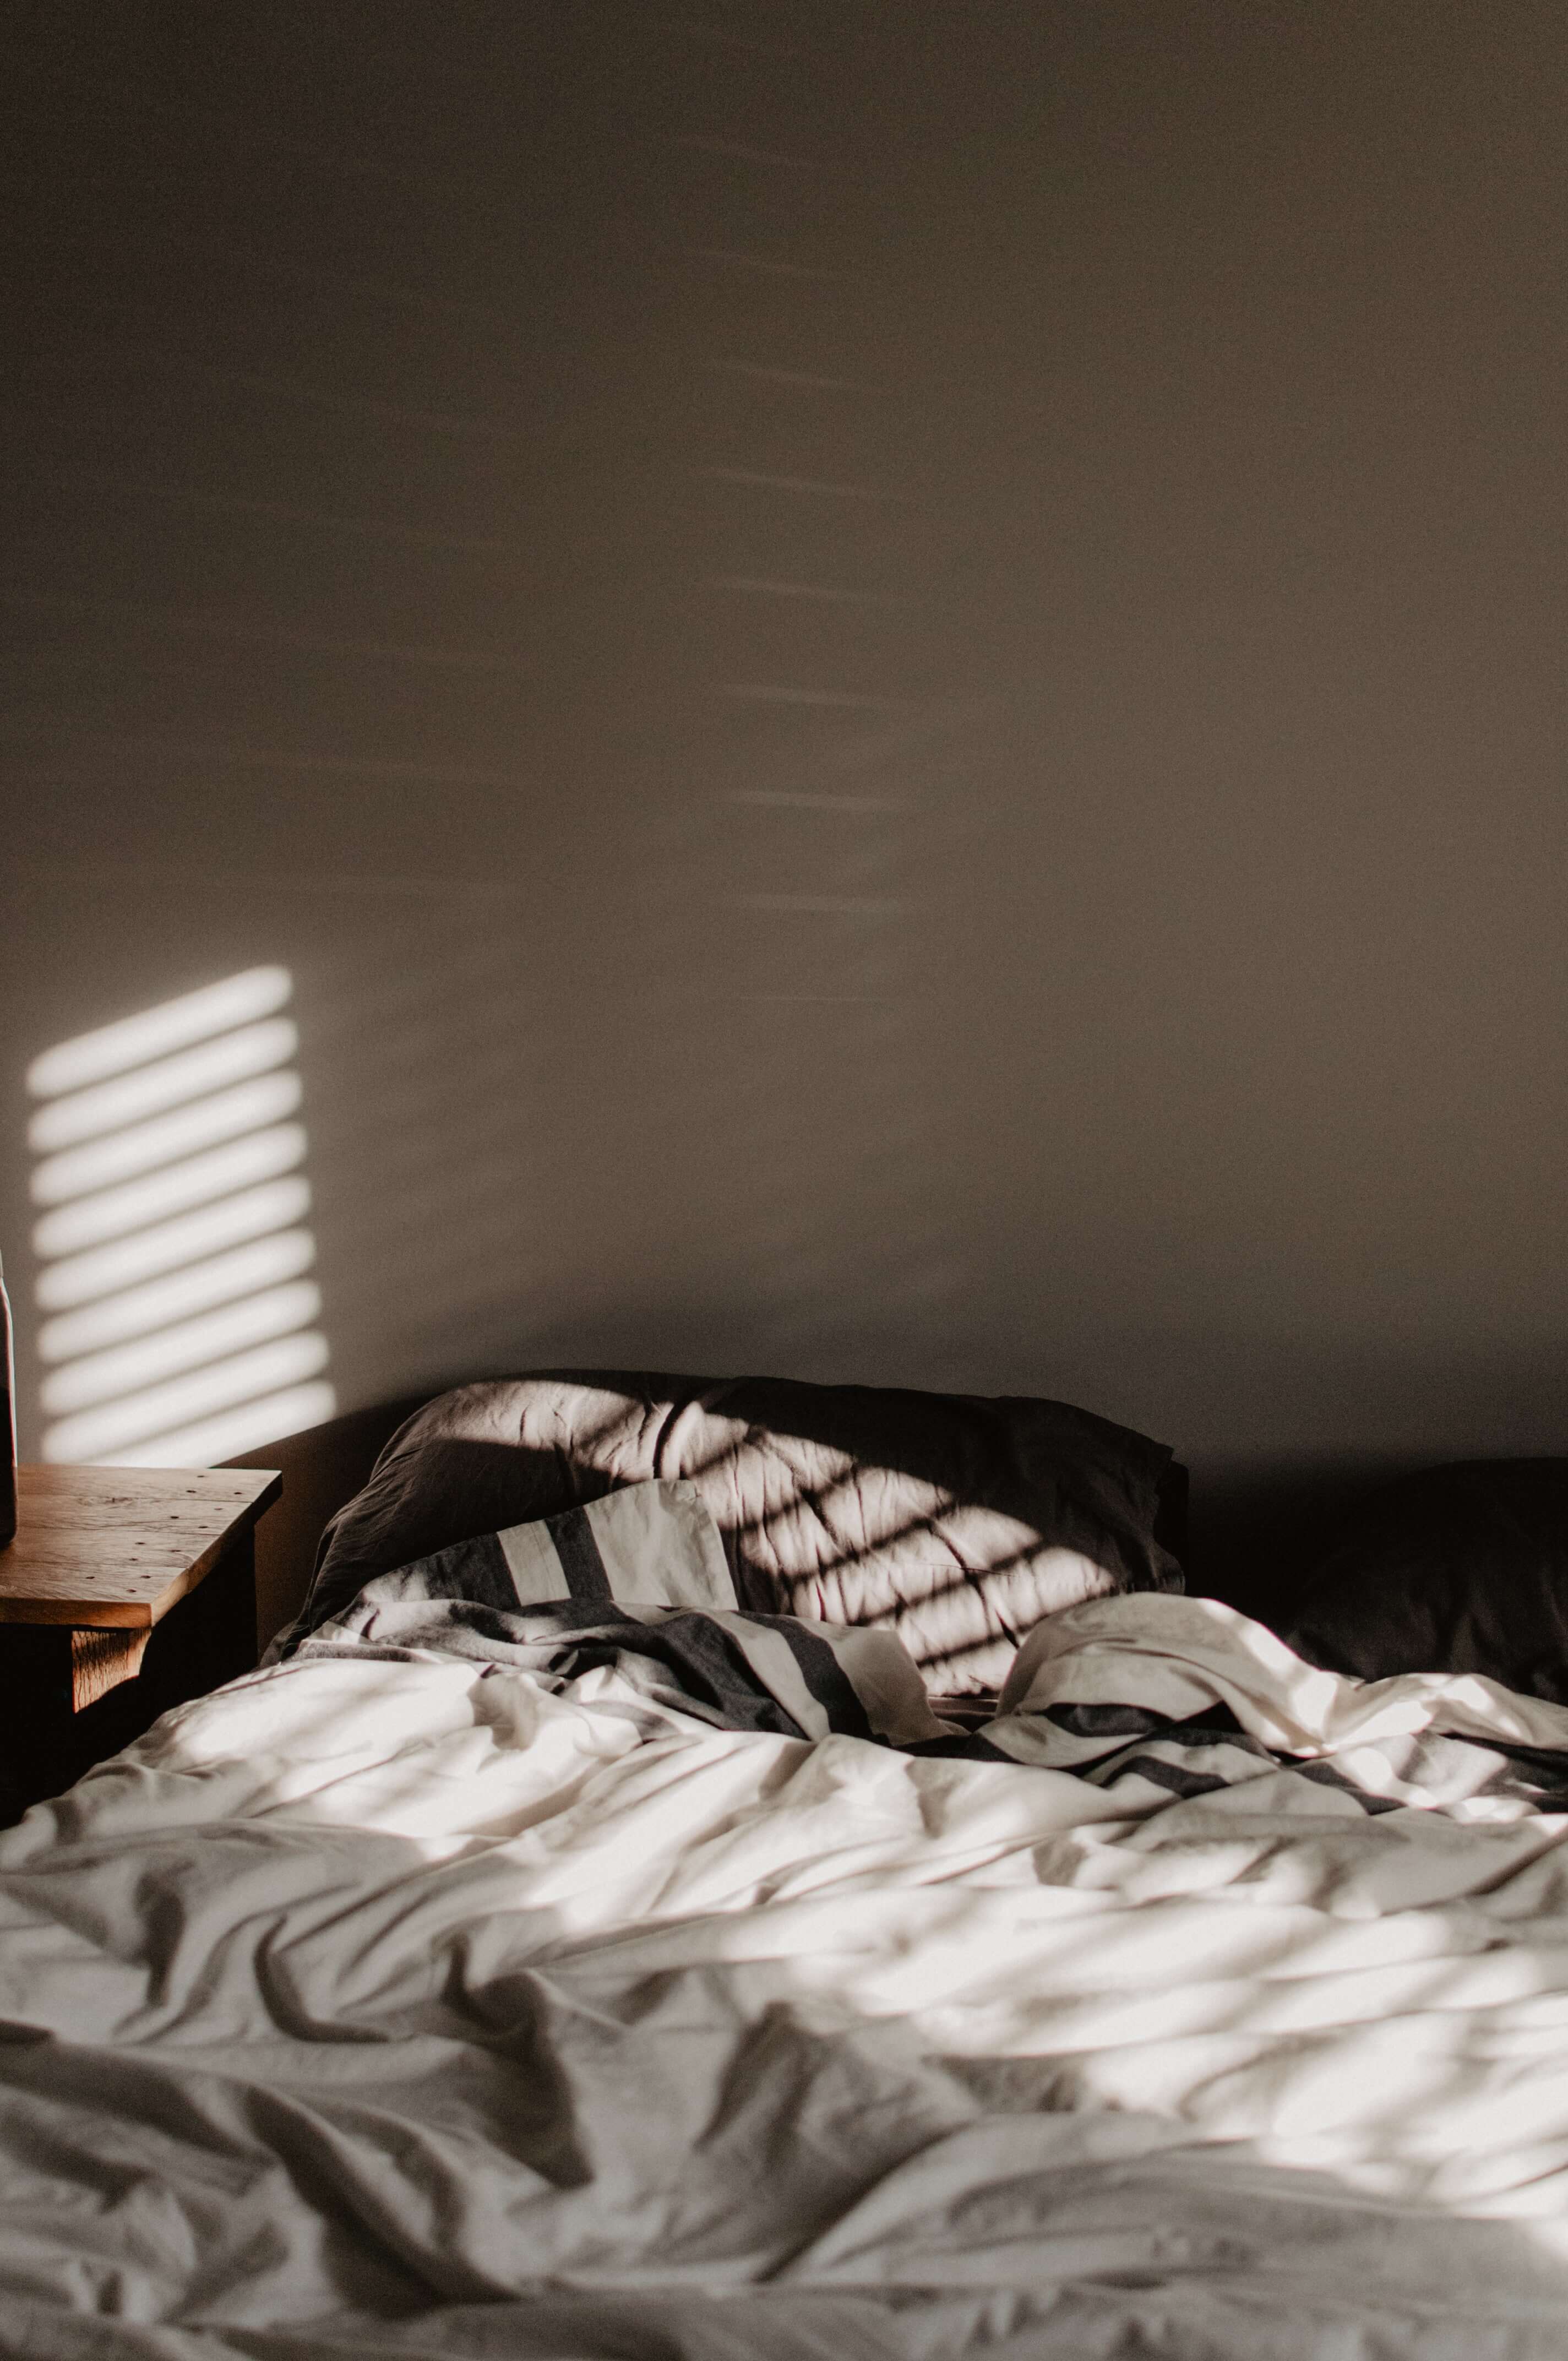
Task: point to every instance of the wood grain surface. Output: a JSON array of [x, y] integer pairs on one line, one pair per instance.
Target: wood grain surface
[[114, 1548], [99, 1661]]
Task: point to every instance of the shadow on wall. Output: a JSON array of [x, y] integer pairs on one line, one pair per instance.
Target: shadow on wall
[[177, 1318]]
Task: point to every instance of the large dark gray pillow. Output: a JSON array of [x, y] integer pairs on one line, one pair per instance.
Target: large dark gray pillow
[[954, 1519], [1460, 1569]]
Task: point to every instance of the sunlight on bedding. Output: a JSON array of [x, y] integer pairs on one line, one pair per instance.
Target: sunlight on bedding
[[179, 1320], [571, 1999]]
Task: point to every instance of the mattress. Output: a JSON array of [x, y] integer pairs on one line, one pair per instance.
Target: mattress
[[396, 2000]]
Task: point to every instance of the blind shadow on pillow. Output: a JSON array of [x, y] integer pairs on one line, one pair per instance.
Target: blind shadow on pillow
[[956, 1519]]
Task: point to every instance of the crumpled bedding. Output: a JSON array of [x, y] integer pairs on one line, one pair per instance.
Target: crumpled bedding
[[381, 2007]]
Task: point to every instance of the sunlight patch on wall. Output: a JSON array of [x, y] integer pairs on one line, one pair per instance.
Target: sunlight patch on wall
[[176, 1316]]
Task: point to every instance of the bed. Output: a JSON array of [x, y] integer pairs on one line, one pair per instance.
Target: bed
[[570, 1945]]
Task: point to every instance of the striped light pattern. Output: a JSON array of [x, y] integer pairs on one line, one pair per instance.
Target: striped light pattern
[[178, 1316]]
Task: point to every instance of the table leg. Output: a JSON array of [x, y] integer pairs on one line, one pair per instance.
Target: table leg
[[99, 1661]]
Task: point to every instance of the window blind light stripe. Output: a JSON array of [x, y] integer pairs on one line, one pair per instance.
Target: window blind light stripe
[[134, 1041], [172, 1253], [212, 1440], [143, 1147], [125, 1369], [129, 1098], [113, 1212], [158, 1409], [113, 1318], [78, 1279]]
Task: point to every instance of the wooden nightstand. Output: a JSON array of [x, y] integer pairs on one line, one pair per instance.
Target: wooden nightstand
[[125, 1592]]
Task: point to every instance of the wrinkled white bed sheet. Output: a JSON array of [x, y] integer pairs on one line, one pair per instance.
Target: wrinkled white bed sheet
[[388, 2009]]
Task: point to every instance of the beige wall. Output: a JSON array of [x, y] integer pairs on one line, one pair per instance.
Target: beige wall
[[892, 675]]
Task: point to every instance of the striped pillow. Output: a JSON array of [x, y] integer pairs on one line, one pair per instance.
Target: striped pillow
[[649, 1545], [636, 1558], [955, 1521]]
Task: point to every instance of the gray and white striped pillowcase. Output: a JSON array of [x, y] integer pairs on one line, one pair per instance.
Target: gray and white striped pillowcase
[[653, 1549], [648, 1545]]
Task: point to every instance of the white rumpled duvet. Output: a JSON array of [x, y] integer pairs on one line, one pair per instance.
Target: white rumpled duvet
[[386, 2008]]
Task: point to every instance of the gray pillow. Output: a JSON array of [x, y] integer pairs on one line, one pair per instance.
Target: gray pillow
[[954, 1519], [1459, 1569]]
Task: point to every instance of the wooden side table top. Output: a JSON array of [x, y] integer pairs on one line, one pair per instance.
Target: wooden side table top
[[114, 1548]]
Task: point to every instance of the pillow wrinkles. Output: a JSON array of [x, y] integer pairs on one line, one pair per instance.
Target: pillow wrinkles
[[955, 1521]]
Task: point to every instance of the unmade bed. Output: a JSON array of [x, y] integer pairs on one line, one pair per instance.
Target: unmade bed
[[559, 1950]]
